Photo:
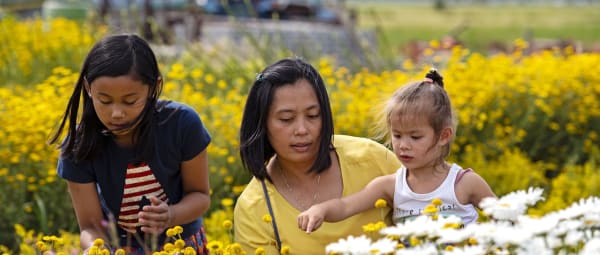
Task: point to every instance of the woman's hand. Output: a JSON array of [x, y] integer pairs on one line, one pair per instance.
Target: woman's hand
[[155, 217]]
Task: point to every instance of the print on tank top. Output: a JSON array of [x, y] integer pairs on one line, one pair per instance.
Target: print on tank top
[[403, 215], [139, 182]]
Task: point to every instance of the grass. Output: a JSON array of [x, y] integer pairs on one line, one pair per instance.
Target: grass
[[479, 26]]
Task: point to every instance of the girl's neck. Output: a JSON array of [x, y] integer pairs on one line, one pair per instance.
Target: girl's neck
[[427, 179], [124, 141], [428, 171]]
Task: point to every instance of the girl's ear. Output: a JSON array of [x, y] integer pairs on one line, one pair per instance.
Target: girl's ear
[[445, 136]]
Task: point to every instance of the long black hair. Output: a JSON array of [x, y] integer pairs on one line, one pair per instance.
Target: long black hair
[[113, 56], [255, 149]]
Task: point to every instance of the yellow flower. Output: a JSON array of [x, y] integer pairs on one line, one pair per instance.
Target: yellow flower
[[179, 244], [98, 242], [227, 224], [238, 189], [380, 203], [93, 251], [226, 202], [430, 209], [120, 252], [452, 225], [189, 251], [40, 245], [285, 250], [436, 201], [449, 248], [168, 247], [380, 225], [260, 251], [414, 241], [267, 218], [178, 229], [215, 245], [171, 232], [235, 249], [472, 241]]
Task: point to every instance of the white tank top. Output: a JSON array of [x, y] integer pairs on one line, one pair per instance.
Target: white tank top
[[408, 204]]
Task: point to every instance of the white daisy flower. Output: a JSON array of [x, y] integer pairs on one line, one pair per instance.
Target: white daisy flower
[[383, 246], [351, 246], [427, 249], [592, 247], [467, 250]]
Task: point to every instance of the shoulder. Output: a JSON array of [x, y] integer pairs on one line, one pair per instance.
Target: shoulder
[[169, 109], [252, 197], [388, 180], [468, 177], [473, 186], [358, 146], [347, 140], [363, 153]]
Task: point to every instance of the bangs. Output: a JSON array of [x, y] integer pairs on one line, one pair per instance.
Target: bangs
[[412, 113]]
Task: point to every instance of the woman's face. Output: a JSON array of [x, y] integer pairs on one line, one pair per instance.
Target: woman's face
[[294, 122], [118, 101]]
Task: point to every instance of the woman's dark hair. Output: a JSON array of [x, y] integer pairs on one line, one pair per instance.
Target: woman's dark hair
[[255, 149], [113, 56]]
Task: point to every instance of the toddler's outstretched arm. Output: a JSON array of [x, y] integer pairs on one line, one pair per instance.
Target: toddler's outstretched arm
[[338, 209]]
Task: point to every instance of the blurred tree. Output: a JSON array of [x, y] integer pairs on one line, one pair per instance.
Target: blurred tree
[[439, 5]]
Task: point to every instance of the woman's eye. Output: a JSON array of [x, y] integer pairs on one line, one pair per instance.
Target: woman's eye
[[104, 102], [416, 137], [130, 103], [314, 116]]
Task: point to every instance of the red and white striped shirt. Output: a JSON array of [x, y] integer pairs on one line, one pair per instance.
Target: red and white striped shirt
[[139, 182]]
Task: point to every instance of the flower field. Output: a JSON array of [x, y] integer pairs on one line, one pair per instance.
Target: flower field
[[524, 121]]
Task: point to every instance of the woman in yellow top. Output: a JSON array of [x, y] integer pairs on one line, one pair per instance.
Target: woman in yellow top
[[288, 144]]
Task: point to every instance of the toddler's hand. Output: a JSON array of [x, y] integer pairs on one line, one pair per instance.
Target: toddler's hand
[[311, 219]]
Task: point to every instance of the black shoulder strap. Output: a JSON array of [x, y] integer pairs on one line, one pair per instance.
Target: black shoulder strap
[[264, 186]]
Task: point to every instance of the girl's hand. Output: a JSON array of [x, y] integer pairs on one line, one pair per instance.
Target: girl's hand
[[156, 217], [311, 219]]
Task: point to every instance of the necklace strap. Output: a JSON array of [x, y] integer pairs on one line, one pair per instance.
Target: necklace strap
[[268, 200]]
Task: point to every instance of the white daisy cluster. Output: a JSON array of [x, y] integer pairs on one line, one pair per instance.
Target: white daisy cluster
[[574, 230]]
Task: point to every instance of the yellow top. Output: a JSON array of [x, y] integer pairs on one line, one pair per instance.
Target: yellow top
[[361, 160]]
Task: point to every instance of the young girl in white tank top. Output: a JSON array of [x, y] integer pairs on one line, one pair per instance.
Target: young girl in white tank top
[[420, 124]]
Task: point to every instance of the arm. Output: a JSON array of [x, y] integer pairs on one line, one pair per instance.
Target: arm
[[472, 188], [196, 199], [341, 208], [88, 211]]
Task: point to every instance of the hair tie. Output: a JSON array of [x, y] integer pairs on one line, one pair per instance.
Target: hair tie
[[434, 77], [260, 76]]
